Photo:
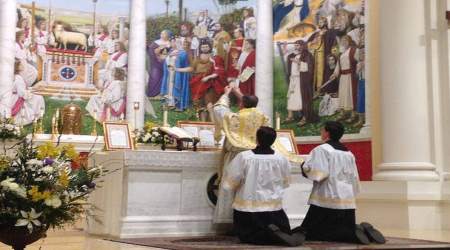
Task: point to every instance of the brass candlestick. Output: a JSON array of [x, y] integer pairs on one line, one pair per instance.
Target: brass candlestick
[[94, 124]]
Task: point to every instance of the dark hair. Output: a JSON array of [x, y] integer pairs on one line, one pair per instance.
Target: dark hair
[[336, 130], [252, 42], [266, 136], [249, 101]]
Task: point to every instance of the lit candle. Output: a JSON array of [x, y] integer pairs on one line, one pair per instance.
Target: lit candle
[[277, 121], [136, 105], [165, 118]]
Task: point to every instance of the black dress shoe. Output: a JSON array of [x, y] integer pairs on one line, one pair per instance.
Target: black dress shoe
[[373, 234], [293, 240], [361, 235]]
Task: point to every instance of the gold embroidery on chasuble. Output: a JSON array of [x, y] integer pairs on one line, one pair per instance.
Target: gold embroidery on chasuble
[[240, 129]]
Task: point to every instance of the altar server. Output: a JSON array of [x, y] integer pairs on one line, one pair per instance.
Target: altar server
[[331, 215], [240, 135], [25, 107], [259, 178]]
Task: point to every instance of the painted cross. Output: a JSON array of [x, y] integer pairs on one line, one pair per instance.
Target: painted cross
[[68, 73]]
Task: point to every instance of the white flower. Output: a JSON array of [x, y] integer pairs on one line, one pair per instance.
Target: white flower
[[53, 201], [34, 162], [146, 137], [47, 169], [6, 183], [10, 185], [155, 134], [9, 127], [29, 219], [153, 139]]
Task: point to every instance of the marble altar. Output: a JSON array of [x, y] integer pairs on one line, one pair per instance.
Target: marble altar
[[162, 193]]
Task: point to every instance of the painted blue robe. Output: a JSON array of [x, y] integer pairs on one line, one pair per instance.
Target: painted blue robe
[[181, 91]]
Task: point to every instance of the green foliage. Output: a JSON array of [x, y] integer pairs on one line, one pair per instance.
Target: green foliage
[[160, 23], [231, 20]]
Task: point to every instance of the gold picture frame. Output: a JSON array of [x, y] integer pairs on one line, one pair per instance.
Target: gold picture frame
[[204, 131], [117, 136], [286, 138]]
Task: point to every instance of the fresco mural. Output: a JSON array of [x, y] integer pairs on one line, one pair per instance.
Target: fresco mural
[[195, 49], [71, 59], [319, 71]]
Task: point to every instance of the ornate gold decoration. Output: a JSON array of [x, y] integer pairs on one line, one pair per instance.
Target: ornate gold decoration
[[71, 119]]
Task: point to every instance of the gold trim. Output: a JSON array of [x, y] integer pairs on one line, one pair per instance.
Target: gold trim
[[240, 203], [230, 184]]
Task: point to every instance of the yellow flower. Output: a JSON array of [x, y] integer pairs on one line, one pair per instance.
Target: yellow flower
[[46, 195], [63, 179], [4, 162], [149, 125], [37, 196], [47, 150], [70, 152]]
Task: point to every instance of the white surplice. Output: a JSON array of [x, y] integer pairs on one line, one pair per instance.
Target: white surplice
[[259, 181], [335, 176], [30, 106]]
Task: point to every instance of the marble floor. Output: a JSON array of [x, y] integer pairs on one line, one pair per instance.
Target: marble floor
[[76, 240]]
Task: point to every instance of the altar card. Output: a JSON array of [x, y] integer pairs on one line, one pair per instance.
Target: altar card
[[117, 136], [286, 138], [204, 131]]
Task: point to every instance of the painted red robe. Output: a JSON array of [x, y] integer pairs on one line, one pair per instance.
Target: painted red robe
[[248, 87], [233, 57], [199, 88]]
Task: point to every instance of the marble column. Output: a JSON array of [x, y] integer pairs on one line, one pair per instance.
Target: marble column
[[136, 64], [406, 112], [8, 17], [264, 57]]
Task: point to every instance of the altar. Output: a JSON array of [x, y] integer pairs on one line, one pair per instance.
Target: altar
[[163, 193]]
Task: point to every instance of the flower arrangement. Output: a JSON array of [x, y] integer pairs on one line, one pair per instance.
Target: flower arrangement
[[9, 130], [44, 186], [152, 134]]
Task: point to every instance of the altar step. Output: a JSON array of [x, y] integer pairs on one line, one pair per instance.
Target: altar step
[[62, 92]]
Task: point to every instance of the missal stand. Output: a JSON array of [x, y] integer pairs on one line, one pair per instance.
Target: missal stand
[[181, 138]]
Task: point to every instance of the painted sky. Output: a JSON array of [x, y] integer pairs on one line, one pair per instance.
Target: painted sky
[[120, 7]]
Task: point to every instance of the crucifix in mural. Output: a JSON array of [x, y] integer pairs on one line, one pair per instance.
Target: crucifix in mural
[[319, 71]]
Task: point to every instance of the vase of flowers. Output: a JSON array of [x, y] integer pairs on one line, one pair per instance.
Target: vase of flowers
[[42, 187], [151, 135]]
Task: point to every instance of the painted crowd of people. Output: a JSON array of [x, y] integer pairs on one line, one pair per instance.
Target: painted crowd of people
[[192, 69], [329, 62]]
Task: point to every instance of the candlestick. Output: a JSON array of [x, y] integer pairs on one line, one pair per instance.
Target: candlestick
[[53, 127], [94, 124], [136, 108], [165, 118], [277, 121]]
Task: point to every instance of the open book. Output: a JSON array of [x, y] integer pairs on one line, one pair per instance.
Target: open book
[[177, 132]]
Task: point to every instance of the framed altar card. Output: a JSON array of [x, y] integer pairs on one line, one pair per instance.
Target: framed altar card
[[204, 131], [117, 136], [287, 139]]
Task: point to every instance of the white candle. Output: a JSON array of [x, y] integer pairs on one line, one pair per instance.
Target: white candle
[[165, 118], [277, 122]]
